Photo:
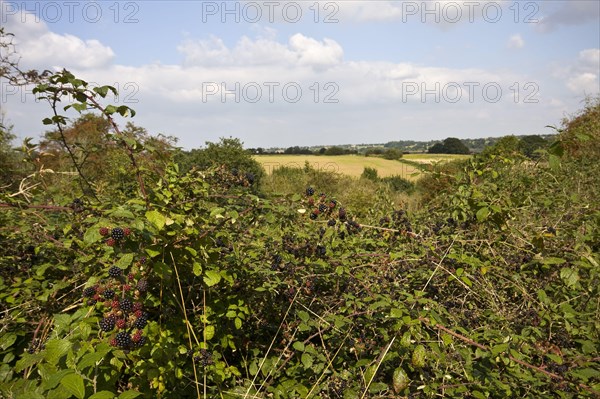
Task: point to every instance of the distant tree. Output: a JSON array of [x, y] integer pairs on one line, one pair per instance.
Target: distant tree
[[529, 144], [507, 146], [9, 158], [369, 174], [451, 145], [335, 151], [296, 150], [392, 154], [323, 150], [228, 152]]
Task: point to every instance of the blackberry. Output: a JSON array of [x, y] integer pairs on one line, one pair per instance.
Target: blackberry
[[342, 214], [332, 203], [108, 294], [115, 271], [313, 215], [107, 323], [123, 339], [142, 285], [331, 222], [117, 234], [321, 250], [127, 231], [322, 208], [310, 191], [138, 339], [250, 178], [235, 172], [89, 292], [137, 306], [205, 358], [126, 304], [103, 231], [121, 324], [111, 242], [141, 321]]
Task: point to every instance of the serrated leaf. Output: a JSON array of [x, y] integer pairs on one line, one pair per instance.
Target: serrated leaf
[[129, 395], [103, 395], [307, 360], [569, 276], [156, 218], [209, 332], [299, 346], [124, 261], [7, 340], [56, 349], [92, 235], [73, 383], [482, 214], [212, 278]]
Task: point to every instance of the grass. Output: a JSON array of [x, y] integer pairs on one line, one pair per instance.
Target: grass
[[431, 158]]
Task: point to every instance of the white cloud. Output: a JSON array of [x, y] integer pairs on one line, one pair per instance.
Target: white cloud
[[584, 83], [41, 48], [299, 51], [581, 76], [515, 42]]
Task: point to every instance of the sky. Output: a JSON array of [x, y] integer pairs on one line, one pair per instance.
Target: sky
[[310, 73]]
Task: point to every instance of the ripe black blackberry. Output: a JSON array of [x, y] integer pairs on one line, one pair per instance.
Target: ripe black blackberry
[[108, 294], [142, 285], [314, 215], [117, 234], [89, 292], [310, 191], [141, 321], [321, 251], [140, 342], [323, 208], [342, 214], [107, 323], [331, 222], [126, 304], [123, 339], [205, 358], [115, 271]]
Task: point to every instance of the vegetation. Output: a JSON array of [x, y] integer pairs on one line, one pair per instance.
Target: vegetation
[[451, 145], [197, 282]]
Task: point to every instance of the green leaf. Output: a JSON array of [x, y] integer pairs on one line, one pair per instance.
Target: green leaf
[[92, 235], [482, 214], [102, 395], [129, 395], [299, 346], [209, 332], [55, 349], [238, 323], [156, 218], [569, 276], [7, 340], [307, 360], [74, 384], [212, 278], [124, 261]]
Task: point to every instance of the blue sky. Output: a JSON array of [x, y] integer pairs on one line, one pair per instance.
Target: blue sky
[[375, 71]]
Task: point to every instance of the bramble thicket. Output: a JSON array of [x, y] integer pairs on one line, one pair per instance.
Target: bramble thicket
[[130, 268]]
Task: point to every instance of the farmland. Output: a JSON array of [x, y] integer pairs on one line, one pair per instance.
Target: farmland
[[353, 165]]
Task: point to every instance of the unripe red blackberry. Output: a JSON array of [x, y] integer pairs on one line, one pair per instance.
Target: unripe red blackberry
[[126, 287], [115, 304], [130, 276], [115, 271], [127, 231], [111, 242], [137, 306], [104, 231], [113, 342], [121, 323], [117, 234]]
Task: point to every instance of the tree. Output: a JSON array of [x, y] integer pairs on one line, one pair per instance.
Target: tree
[[529, 144], [228, 152], [451, 145]]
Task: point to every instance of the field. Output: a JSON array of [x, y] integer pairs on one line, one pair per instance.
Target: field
[[352, 165]]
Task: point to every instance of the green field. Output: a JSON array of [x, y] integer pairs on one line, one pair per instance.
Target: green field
[[353, 165]]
